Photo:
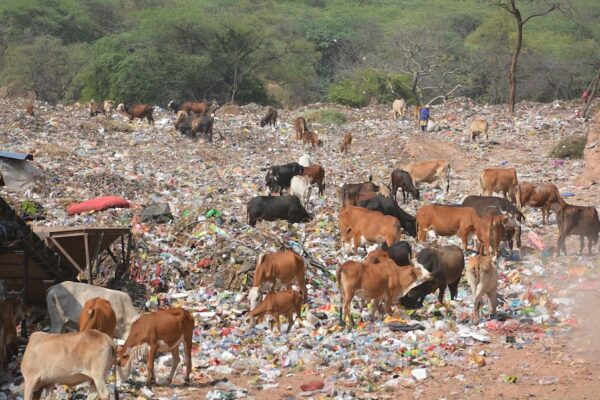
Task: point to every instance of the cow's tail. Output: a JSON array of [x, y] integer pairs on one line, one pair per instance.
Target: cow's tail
[[338, 278], [448, 169], [116, 389]]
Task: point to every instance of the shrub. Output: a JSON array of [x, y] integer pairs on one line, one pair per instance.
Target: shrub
[[571, 147], [326, 116]]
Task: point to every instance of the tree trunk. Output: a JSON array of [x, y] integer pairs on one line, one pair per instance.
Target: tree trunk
[[512, 76]]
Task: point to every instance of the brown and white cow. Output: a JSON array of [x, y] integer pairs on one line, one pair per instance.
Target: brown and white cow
[[429, 172], [280, 268], [158, 332], [482, 276], [359, 226], [501, 180], [285, 302], [98, 314], [576, 220], [540, 196]]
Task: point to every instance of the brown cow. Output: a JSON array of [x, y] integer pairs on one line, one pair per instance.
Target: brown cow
[[160, 331], [312, 138], [316, 173], [540, 196], [576, 220], [95, 108], [196, 107], [429, 172], [97, 313], [501, 180], [285, 303], [140, 111], [478, 127], [498, 224], [277, 268], [29, 109], [107, 106], [12, 311], [300, 127], [482, 276], [270, 117], [359, 226], [350, 192], [346, 143]]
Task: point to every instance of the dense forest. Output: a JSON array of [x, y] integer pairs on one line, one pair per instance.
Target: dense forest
[[290, 52]]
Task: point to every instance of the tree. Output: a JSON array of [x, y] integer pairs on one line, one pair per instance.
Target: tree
[[511, 7]]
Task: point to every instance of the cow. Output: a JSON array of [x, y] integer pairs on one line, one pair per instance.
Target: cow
[[400, 108], [429, 172], [300, 127], [197, 107], [359, 226], [349, 193], [29, 109], [446, 266], [540, 196], [67, 359], [389, 207], [95, 108], [140, 111], [12, 312], [305, 160], [346, 143], [286, 302], [479, 127], [270, 117], [98, 314], [383, 280], [282, 267], [270, 208], [193, 126], [279, 177], [316, 173], [402, 179], [300, 186], [400, 252], [482, 276], [576, 220], [312, 138], [501, 180], [65, 302], [158, 332], [107, 106]]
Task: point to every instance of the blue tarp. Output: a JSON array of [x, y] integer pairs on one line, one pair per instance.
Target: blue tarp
[[16, 156]]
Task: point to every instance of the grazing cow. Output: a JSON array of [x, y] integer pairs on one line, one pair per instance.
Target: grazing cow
[[359, 226], [285, 303], [346, 143], [300, 186], [501, 180], [282, 267], [446, 265], [400, 108], [350, 192], [193, 126], [67, 359], [429, 172], [107, 106], [576, 220], [197, 107], [95, 108], [98, 314], [312, 138], [452, 220], [269, 208], [540, 196], [304, 160], [389, 207], [400, 252], [29, 109], [479, 127], [279, 177], [140, 111], [270, 117], [482, 276], [158, 332], [65, 302], [402, 179], [376, 281], [300, 127], [316, 173]]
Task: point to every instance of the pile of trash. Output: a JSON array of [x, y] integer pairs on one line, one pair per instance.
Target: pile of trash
[[195, 249]]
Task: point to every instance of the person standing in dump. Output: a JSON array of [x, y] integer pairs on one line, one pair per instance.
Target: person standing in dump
[[424, 118]]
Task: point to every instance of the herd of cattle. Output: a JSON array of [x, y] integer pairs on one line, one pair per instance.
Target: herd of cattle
[[369, 214]]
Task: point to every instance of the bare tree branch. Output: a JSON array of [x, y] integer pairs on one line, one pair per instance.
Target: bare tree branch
[[555, 6]]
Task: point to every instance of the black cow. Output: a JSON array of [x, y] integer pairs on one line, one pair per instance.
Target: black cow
[[401, 179], [279, 176], [576, 220], [446, 265], [388, 206], [400, 252], [271, 208]]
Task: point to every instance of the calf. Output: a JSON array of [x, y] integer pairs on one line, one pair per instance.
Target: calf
[[304, 160], [140, 111], [197, 107], [270, 117], [446, 266], [482, 276], [67, 359], [540, 196], [300, 127], [346, 143], [502, 180], [158, 332], [402, 179], [576, 220], [300, 186], [400, 252], [429, 172], [312, 138], [98, 314], [279, 303], [279, 177], [389, 207], [316, 173], [359, 226], [282, 267], [479, 127], [375, 281], [269, 208], [400, 108], [65, 302]]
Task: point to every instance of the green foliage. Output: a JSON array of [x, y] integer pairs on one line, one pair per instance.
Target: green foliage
[[571, 147], [326, 116]]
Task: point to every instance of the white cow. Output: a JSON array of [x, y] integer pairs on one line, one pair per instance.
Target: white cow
[[305, 160], [300, 186], [67, 359], [66, 300]]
